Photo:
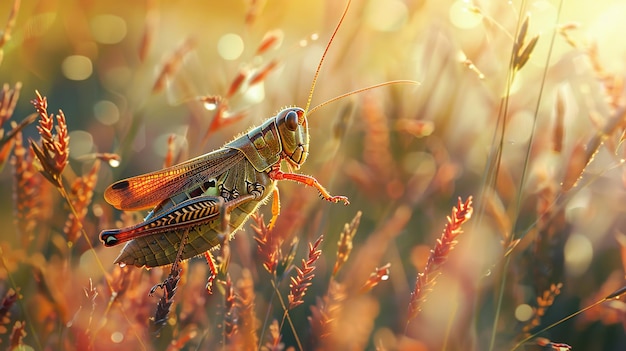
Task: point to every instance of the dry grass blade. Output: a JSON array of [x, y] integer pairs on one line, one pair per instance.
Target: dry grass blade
[[172, 64], [183, 339], [375, 248], [522, 51], [543, 303], [301, 282], [16, 340], [325, 312], [438, 256], [271, 40], [8, 137], [559, 119], [248, 323], [81, 194], [112, 159], [230, 313], [565, 29], [9, 299], [53, 154], [344, 246], [546, 344], [169, 156], [222, 118], [524, 56], [268, 245], [237, 83], [8, 100], [379, 274], [149, 29], [583, 154], [471, 66], [262, 73], [254, 9], [28, 191], [274, 342], [169, 287], [8, 28]]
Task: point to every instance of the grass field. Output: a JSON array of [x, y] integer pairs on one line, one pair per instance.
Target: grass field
[[486, 179]]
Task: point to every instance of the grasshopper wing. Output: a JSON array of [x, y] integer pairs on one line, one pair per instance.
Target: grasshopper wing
[[148, 190]]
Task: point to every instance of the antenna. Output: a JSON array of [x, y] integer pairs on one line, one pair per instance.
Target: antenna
[[319, 65], [391, 82]]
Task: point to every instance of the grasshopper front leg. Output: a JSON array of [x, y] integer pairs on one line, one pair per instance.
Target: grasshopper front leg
[[276, 174]]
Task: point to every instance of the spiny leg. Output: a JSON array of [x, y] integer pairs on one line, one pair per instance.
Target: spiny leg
[[212, 270], [175, 270], [275, 208], [169, 289], [277, 174], [255, 191]]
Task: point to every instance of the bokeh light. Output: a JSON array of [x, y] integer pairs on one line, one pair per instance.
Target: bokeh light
[[386, 15], [578, 254], [77, 67], [230, 46], [108, 29], [81, 143], [461, 15], [106, 112]]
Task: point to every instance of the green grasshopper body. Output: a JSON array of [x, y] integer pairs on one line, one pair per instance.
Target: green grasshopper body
[[196, 196]]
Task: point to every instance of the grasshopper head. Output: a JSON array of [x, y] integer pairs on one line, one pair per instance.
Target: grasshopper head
[[294, 135]]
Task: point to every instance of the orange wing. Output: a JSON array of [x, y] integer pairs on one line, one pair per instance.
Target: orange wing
[[148, 190]]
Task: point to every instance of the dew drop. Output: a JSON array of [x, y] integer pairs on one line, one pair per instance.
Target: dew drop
[[117, 337], [114, 163], [210, 106]]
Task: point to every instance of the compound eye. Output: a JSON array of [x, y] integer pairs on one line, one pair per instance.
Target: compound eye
[[291, 120]]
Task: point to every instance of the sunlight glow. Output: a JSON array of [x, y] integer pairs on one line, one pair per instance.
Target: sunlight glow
[[462, 17]]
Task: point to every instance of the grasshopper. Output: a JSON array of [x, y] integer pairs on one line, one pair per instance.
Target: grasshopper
[[194, 196], [194, 201]]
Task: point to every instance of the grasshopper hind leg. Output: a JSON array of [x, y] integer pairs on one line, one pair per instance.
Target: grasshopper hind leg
[[161, 248]]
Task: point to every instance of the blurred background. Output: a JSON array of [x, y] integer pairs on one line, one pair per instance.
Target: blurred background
[[531, 131]]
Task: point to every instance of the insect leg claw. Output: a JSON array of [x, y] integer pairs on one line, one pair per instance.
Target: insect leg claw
[[256, 189], [336, 199]]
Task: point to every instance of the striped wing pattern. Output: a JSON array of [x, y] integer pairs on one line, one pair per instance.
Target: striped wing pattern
[[185, 215]]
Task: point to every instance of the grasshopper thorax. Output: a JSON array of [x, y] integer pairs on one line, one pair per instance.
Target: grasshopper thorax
[[294, 135], [282, 137]]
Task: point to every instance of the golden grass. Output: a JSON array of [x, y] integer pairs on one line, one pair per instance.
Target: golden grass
[[520, 111]]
